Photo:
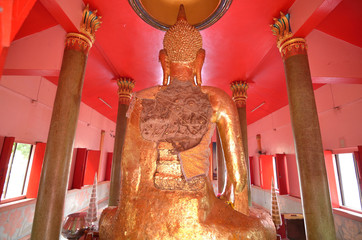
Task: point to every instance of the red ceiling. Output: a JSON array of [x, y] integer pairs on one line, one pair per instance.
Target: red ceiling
[[38, 19], [240, 46], [344, 22]]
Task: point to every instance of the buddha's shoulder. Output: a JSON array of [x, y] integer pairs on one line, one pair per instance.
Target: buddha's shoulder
[[215, 92], [148, 92]]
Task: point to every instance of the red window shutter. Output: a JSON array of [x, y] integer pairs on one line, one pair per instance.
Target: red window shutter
[[91, 166], [35, 172], [328, 157], [266, 171], [4, 160], [251, 172], [282, 173], [109, 166], [79, 169], [255, 163]]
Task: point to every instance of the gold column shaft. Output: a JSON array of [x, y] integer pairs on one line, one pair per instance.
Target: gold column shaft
[[49, 208], [124, 92], [317, 209]]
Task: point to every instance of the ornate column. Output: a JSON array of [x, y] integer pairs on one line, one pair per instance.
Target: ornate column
[[317, 210], [239, 89], [55, 171], [125, 86]]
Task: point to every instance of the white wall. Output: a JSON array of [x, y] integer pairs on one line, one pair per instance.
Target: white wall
[[340, 116], [26, 107]]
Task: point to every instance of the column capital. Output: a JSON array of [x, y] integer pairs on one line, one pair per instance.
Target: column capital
[[84, 40], [239, 89], [125, 87], [288, 46]]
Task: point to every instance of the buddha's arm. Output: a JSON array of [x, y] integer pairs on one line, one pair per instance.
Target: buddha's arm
[[229, 129], [230, 135]]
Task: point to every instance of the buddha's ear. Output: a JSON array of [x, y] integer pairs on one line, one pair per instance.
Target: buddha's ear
[[163, 58], [199, 62]]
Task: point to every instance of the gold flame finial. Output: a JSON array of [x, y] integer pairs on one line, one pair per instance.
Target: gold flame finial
[[181, 13], [90, 23], [182, 41]]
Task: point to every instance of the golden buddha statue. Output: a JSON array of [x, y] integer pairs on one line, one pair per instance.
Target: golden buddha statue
[[165, 189]]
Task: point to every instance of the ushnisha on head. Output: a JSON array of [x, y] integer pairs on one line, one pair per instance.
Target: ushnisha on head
[[182, 55]]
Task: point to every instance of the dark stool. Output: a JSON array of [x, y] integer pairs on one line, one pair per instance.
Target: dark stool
[[294, 224]]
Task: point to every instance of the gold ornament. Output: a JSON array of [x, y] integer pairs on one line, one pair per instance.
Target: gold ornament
[[239, 89], [90, 23], [287, 45], [281, 28], [84, 40], [125, 87]]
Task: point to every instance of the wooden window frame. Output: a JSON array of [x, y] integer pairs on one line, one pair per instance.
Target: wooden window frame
[[8, 173], [356, 167]]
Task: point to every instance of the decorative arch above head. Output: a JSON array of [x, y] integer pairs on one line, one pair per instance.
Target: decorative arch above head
[[161, 14]]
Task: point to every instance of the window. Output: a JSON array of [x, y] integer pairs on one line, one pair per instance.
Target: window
[[346, 171], [18, 171]]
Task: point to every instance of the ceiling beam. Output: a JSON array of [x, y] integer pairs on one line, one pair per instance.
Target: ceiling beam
[[39, 54], [66, 13], [306, 15], [31, 72], [337, 80], [12, 15]]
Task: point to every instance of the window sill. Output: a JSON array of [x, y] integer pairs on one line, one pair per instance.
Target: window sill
[[16, 204], [348, 214], [13, 203], [87, 186], [291, 197]]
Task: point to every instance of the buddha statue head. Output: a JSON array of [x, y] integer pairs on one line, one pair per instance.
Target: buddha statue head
[[182, 55]]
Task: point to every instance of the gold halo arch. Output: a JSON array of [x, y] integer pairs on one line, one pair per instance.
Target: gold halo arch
[[162, 14]]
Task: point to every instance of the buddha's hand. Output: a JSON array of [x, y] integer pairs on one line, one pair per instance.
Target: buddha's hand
[[239, 204], [240, 198]]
